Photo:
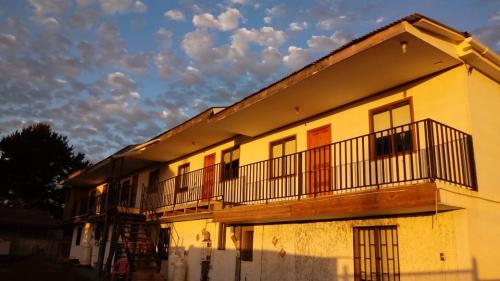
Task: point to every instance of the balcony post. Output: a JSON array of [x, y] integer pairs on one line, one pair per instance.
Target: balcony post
[[472, 163], [300, 176], [431, 160], [176, 187]]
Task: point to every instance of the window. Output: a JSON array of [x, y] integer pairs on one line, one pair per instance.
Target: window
[[376, 254], [125, 193], [221, 239], [283, 158], [78, 235], [92, 202], [230, 163], [247, 243], [154, 179], [133, 190], [164, 243], [393, 135], [181, 181]]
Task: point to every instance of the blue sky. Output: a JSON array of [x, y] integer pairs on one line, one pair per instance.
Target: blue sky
[[108, 73]]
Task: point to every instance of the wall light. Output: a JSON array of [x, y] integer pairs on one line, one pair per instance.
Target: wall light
[[404, 46]]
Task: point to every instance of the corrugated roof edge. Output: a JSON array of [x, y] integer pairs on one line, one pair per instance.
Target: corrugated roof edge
[[410, 19], [132, 146]]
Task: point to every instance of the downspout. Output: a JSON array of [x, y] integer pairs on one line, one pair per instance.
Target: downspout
[[482, 50]]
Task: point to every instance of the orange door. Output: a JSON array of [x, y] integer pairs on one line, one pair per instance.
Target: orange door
[[208, 176], [318, 160]]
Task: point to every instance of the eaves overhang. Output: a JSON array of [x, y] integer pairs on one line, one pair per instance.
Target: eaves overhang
[[405, 51], [101, 172]]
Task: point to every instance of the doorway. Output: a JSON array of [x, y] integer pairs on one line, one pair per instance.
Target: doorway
[[318, 159], [208, 176]]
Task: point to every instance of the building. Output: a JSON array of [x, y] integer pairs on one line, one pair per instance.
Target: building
[[376, 162], [25, 232]]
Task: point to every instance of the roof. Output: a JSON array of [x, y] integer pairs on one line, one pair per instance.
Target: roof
[[215, 114], [410, 19]]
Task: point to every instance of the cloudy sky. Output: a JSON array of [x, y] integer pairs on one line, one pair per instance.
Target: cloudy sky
[[108, 73]]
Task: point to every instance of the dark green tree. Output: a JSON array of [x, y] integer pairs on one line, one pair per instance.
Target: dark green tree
[[33, 162]]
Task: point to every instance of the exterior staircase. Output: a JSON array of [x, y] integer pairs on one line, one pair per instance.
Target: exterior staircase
[[136, 240]]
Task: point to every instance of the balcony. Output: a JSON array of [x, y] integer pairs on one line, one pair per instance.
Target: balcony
[[121, 199], [421, 152]]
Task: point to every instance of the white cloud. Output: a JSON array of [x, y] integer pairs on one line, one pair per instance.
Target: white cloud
[[332, 22], [140, 7], [44, 7], [165, 63], [495, 17], [271, 60], [242, 2], [199, 46], [266, 36], [299, 57], [296, 58], [113, 51], [380, 20], [135, 95], [298, 26], [325, 43], [191, 76], [274, 12], [8, 40], [227, 20], [119, 80], [122, 6], [164, 35], [115, 6], [51, 23], [175, 15], [84, 3]]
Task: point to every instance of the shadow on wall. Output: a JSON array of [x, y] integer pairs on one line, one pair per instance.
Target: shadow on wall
[[267, 265]]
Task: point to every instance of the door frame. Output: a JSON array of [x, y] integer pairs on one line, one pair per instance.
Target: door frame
[[309, 170], [207, 188]]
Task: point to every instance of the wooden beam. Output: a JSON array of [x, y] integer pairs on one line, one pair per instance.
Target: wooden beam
[[399, 200]]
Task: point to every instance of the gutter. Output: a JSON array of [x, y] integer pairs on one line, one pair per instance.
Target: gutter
[[483, 50]]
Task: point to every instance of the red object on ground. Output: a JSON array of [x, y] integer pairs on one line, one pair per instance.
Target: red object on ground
[[120, 269]]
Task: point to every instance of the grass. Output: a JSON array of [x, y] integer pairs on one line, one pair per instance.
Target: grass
[[39, 268]]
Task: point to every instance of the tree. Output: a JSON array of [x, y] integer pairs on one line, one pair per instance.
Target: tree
[[32, 163]]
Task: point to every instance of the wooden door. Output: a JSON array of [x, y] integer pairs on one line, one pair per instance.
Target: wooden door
[[208, 176], [318, 160]]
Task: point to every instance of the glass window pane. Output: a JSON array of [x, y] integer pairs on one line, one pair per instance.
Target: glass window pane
[[226, 158], [401, 115], [381, 121], [236, 154], [290, 147], [277, 151]]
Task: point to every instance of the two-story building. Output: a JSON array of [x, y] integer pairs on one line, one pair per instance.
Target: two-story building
[[375, 162]]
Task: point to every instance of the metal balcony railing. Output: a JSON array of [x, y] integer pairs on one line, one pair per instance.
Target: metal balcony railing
[[119, 196], [423, 151]]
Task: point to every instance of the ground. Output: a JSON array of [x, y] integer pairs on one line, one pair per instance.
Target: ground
[[40, 268]]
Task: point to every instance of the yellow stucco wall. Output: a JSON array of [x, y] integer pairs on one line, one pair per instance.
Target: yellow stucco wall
[[320, 250], [196, 161], [324, 250], [484, 100], [442, 97]]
